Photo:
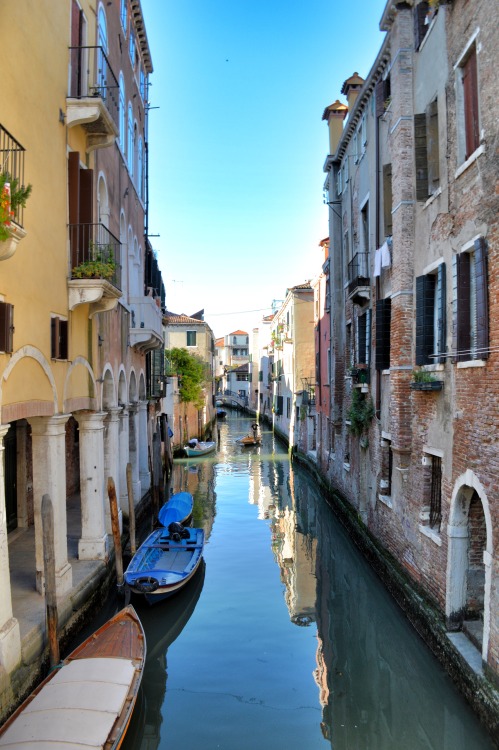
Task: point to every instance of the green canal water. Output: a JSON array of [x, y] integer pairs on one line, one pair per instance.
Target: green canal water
[[285, 639]]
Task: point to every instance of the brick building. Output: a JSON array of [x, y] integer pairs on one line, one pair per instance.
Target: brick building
[[411, 181]]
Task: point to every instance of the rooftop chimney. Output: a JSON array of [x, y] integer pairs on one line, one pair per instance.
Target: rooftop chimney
[[335, 114], [351, 88]]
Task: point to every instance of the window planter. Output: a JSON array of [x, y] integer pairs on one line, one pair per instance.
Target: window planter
[[429, 385], [9, 246]]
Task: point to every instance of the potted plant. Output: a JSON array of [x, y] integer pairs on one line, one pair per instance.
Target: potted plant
[[12, 197], [101, 264], [360, 413], [422, 380]]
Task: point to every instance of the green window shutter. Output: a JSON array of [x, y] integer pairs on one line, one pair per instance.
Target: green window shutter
[[432, 145], [425, 305], [441, 313], [482, 299], [383, 324], [463, 316], [421, 157]]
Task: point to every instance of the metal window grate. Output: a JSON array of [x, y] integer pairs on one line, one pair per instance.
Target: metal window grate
[[436, 492]]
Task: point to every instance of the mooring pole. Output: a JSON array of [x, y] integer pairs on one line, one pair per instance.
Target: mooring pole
[[115, 524], [131, 508], [49, 575]]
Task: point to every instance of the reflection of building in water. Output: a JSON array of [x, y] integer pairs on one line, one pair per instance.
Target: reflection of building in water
[[295, 552], [198, 478], [260, 492]]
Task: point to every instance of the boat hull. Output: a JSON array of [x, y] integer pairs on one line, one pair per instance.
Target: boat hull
[[202, 450], [178, 509], [162, 565], [92, 693]]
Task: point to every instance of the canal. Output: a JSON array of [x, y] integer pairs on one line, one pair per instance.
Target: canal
[[286, 639]]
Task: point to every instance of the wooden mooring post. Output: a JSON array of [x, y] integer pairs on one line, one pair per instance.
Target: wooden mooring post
[[131, 509], [49, 576], [115, 524]]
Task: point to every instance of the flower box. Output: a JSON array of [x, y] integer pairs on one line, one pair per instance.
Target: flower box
[[429, 385], [16, 234]]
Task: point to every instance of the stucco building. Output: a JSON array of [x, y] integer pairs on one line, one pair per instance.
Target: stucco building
[[81, 295]]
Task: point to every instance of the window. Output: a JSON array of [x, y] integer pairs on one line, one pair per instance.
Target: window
[[365, 226], [122, 113], [363, 133], [471, 303], [363, 338], [130, 139], [140, 170], [383, 325], [382, 95], [431, 514], [278, 402], [356, 147], [191, 338], [58, 338], [6, 327], [387, 199], [427, 154], [288, 407], [345, 170], [430, 317], [339, 182], [123, 14], [467, 105], [131, 47], [143, 84], [420, 23]]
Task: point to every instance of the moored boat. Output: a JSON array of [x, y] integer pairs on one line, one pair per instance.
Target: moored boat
[[253, 438], [178, 509], [194, 448], [88, 699], [165, 561]]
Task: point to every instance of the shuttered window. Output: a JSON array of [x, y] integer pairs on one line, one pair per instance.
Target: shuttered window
[[427, 152], [471, 304], [58, 338], [6, 327], [364, 338], [387, 199], [383, 321], [155, 373], [430, 317], [470, 100]]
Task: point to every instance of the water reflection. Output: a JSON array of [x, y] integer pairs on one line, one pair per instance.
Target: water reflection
[[294, 642]]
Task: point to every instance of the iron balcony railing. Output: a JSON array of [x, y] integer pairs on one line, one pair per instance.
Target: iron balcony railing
[[358, 271], [95, 253], [92, 75], [12, 166]]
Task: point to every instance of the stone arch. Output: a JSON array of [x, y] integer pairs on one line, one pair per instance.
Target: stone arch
[[142, 387], [31, 407], [122, 387], [103, 200], [77, 394], [132, 388], [469, 535], [108, 389]]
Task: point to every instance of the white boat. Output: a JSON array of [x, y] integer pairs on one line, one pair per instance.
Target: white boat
[[196, 449]]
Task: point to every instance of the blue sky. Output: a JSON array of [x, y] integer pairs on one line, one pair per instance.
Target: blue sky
[[237, 144]]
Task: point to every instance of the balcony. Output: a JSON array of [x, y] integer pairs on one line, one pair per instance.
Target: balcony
[[359, 283], [11, 210], [95, 277], [146, 330], [93, 100]]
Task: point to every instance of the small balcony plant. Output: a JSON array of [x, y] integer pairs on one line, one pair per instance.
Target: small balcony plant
[[12, 197], [423, 380], [100, 265]]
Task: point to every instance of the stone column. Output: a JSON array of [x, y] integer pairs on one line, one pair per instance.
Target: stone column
[[124, 458], [93, 542], [49, 478], [133, 442], [112, 461], [144, 474], [10, 636], [23, 488]]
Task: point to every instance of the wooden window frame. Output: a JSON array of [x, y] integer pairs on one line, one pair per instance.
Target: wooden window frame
[[58, 338]]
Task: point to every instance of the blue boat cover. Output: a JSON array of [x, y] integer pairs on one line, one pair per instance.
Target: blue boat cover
[[177, 509]]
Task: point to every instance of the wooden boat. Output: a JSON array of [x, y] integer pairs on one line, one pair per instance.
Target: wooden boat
[[86, 701], [253, 438], [178, 509], [221, 414], [199, 449], [165, 562], [248, 440]]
